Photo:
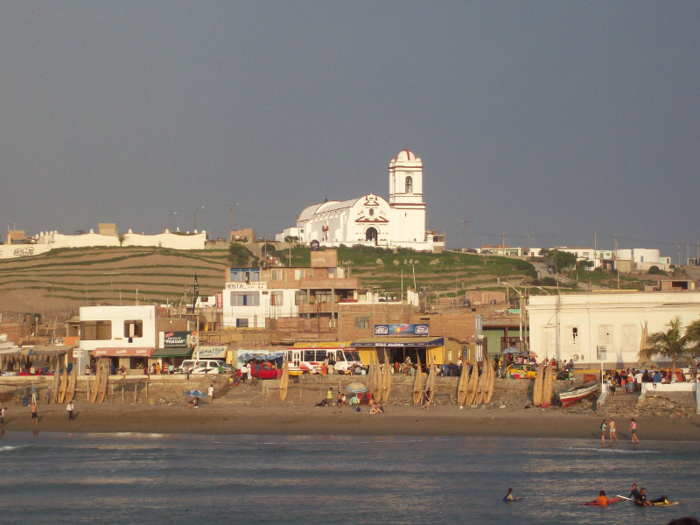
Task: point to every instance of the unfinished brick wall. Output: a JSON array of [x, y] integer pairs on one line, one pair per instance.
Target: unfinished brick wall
[[14, 332], [350, 316], [460, 326], [324, 259]]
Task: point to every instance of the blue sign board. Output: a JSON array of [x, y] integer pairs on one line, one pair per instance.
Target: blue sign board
[[400, 329]]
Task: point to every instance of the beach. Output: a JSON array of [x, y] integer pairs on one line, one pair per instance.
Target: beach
[[276, 419]]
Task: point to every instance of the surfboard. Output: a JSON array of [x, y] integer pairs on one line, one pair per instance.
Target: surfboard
[[666, 504]]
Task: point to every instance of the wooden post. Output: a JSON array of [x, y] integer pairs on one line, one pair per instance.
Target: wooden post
[[146, 389], [136, 393]]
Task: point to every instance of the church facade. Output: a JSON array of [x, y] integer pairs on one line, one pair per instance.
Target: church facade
[[371, 220]]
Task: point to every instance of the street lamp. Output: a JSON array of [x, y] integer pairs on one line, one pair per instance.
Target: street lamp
[[230, 208], [520, 310], [464, 248], [167, 221], [194, 229]]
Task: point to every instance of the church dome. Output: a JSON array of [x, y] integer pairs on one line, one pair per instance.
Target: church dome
[[405, 155]]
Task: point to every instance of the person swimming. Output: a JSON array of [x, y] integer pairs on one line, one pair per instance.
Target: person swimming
[[510, 497]]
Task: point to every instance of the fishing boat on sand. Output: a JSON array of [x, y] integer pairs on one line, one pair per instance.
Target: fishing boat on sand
[[576, 393]]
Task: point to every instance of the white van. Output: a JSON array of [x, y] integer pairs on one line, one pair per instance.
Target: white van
[[204, 366]]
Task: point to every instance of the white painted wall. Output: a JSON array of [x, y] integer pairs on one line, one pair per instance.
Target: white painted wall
[[613, 320], [117, 315]]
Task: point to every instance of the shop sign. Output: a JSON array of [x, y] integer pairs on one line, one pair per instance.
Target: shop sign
[[400, 329], [175, 339], [257, 285]]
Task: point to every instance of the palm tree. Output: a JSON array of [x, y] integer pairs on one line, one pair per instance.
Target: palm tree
[[672, 344]]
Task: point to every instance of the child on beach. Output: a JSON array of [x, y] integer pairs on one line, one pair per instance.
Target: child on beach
[[603, 427]]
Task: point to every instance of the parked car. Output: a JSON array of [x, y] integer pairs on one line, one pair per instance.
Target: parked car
[[204, 366], [521, 371], [264, 371]]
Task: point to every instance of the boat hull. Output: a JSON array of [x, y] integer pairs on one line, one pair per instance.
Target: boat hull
[[571, 398]]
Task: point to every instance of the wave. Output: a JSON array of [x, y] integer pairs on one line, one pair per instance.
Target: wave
[[8, 448], [610, 450]]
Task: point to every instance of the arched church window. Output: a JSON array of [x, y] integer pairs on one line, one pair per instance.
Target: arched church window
[[409, 185], [371, 212]]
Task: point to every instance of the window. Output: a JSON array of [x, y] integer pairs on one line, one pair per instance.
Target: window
[[95, 330], [605, 334], [244, 275], [276, 299], [574, 334], [300, 297], [371, 212], [409, 185], [245, 299], [320, 355], [309, 355], [299, 274], [133, 328], [241, 323], [331, 273], [276, 275], [361, 323], [629, 337], [323, 297]]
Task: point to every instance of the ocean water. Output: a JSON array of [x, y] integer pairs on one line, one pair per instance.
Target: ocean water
[[146, 478]]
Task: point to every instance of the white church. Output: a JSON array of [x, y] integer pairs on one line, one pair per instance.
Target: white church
[[370, 220]]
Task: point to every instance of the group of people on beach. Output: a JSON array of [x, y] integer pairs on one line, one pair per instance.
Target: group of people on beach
[[354, 401], [610, 428]]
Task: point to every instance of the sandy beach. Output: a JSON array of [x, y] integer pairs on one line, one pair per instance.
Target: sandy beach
[[308, 420]]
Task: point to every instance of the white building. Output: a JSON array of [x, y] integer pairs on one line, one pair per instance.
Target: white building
[[371, 220], [603, 327], [124, 332]]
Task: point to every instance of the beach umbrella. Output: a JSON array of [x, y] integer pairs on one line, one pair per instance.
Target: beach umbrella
[[356, 388], [511, 350], [195, 393]]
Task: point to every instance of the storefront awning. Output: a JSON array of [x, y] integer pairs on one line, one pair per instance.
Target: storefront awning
[[173, 352], [399, 342], [123, 352]]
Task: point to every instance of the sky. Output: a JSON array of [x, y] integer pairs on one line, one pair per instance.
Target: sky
[[558, 120]]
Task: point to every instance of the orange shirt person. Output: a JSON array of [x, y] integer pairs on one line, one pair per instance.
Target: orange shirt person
[[602, 500]]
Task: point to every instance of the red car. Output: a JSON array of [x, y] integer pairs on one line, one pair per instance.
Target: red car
[[264, 371]]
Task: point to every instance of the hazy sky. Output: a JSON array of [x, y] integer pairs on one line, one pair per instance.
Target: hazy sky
[[552, 118]]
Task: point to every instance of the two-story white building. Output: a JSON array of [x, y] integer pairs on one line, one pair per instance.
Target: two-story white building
[[591, 328]]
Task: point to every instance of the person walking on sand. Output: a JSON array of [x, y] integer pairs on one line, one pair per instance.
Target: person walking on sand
[[603, 427], [210, 393], [329, 397], [35, 416], [633, 430], [3, 411], [70, 407], [612, 431]]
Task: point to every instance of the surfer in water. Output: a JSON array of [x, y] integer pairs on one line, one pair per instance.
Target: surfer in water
[[602, 500], [642, 501], [510, 497]]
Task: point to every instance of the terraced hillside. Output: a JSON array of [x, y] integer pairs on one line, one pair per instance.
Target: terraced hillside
[[57, 283], [60, 281]]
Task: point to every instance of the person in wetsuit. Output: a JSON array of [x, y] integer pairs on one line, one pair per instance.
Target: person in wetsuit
[[642, 500], [510, 497], [635, 493]]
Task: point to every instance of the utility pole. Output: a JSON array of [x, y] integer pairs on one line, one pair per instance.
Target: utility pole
[[528, 244], [465, 222], [503, 245], [679, 253], [687, 254], [617, 263]]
